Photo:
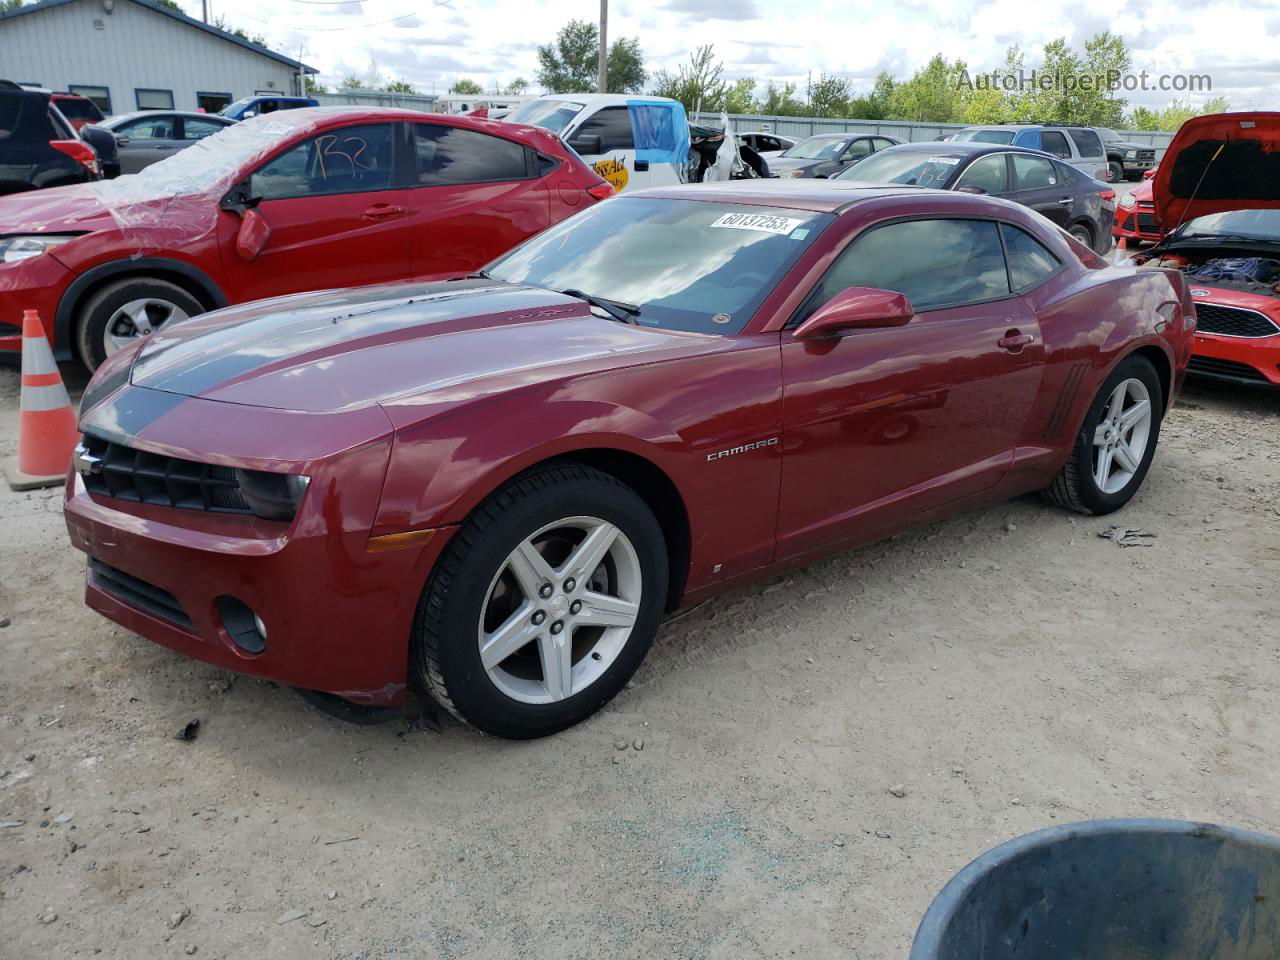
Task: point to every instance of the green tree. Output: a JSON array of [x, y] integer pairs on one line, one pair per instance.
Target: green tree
[[398, 86], [570, 64], [221, 23], [780, 100], [311, 86], [873, 105], [740, 97], [829, 97], [934, 93], [467, 87], [1174, 115], [517, 87], [699, 84], [352, 82]]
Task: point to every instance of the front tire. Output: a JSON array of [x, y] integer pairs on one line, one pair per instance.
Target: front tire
[[1115, 171], [123, 311], [1114, 448], [544, 603]]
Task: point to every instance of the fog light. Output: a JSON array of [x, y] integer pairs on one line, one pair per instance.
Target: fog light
[[245, 627]]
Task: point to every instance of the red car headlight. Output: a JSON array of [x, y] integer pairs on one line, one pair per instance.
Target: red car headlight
[[272, 496]]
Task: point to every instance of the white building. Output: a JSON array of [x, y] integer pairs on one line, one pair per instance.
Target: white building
[[130, 55]]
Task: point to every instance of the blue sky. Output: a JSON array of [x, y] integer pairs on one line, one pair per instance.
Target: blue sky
[[495, 40]]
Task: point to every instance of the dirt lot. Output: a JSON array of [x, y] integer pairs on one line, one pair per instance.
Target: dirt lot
[[1009, 669]]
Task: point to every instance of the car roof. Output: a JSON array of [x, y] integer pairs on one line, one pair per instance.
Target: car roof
[[819, 196], [134, 114], [969, 148], [597, 99]]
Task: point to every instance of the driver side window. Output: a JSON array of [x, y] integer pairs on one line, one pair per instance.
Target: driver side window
[[936, 263], [990, 174], [348, 160]]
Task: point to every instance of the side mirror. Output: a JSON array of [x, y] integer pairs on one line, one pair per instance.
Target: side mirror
[[252, 236], [588, 144], [969, 188], [857, 308]]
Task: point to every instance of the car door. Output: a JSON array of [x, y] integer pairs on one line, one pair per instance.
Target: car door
[[337, 214], [1038, 185], [473, 197], [882, 424], [987, 174], [145, 140], [613, 157], [856, 150]]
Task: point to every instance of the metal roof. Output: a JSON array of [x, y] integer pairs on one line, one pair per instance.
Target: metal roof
[[176, 15]]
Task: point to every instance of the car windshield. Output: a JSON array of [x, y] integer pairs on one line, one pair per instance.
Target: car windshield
[[921, 168], [986, 136], [686, 264], [1107, 134], [1262, 224], [236, 107], [817, 148], [554, 115]]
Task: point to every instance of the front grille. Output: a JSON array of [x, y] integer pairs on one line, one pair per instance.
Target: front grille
[[138, 593], [142, 477], [1147, 223], [1146, 156], [1233, 321], [1226, 369]]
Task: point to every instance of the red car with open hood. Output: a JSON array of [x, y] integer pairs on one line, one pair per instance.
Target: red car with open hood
[[494, 488], [280, 203], [1217, 195]]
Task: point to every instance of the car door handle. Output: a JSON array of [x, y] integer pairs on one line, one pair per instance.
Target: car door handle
[[384, 211], [1065, 200], [1014, 341]]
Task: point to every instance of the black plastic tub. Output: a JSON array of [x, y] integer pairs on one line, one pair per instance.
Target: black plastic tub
[[1112, 890]]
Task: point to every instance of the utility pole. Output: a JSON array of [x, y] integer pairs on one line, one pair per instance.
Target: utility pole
[[204, 9], [602, 74]]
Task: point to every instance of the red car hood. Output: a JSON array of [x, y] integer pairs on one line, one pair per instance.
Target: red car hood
[[71, 209], [126, 204], [439, 343], [1225, 161]]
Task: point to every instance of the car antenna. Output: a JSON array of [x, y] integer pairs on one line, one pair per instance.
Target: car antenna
[[1203, 173]]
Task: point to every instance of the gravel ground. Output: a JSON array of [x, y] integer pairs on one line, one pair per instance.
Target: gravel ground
[[1008, 668]]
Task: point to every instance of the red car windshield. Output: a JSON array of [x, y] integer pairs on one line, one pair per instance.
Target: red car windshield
[[686, 264]]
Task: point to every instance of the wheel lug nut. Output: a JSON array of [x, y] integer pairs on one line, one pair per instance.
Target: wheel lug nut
[[575, 606], [538, 618], [557, 627], [545, 590], [570, 584]]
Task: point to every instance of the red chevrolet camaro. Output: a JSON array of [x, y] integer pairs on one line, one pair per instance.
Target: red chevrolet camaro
[[1217, 196], [281, 203], [494, 488]]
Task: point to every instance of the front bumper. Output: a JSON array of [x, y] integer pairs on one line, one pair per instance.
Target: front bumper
[[1136, 223], [34, 284], [1251, 361]]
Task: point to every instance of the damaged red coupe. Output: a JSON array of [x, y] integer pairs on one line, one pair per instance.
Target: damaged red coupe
[[495, 488]]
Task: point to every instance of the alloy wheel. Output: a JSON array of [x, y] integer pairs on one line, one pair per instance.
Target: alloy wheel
[[560, 610], [1120, 439], [138, 318]]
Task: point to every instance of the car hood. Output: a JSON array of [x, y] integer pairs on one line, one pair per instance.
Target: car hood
[[77, 208], [342, 350], [794, 163], [128, 203], [1221, 162]]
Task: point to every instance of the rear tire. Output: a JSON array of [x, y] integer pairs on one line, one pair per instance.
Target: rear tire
[[500, 654], [1113, 451], [1082, 233]]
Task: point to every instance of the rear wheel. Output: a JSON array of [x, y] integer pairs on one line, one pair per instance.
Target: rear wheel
[[1113, 450], [122, 312], [1082, 233], [544, 603]]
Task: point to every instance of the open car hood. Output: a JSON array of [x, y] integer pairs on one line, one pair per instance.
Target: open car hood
[[1221, 162]]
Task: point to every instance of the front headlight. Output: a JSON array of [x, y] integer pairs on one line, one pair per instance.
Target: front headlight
[[1131, 154], [13, 249], [1127, 201], [794, 172], [272, 496]]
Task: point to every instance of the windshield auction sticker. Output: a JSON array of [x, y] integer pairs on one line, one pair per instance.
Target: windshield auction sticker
[[765, 222]]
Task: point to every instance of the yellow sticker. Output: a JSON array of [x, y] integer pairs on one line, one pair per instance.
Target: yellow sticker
[[614, 172]]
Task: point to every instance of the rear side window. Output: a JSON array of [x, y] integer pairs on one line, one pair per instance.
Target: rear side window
[[936, 263], [1029, 261], [1052, 141], [448, 155], [1033, 173], [350, 160], [1087, 143], [196, 128], [148, 128], [613, 126]]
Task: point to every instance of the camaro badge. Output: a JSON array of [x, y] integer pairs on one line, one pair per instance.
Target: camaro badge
[[742, 449], [86, 463]]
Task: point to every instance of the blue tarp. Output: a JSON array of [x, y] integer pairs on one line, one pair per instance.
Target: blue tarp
[[661, 131]]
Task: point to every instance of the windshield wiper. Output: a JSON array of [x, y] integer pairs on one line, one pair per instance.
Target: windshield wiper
[[622, 312], [1222, 238]]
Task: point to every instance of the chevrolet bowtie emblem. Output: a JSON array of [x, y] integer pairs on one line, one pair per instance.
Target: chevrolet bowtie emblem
[[86, 463]]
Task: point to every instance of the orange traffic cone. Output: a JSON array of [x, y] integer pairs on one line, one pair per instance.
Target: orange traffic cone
[[1121, 253], [46, 423]]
